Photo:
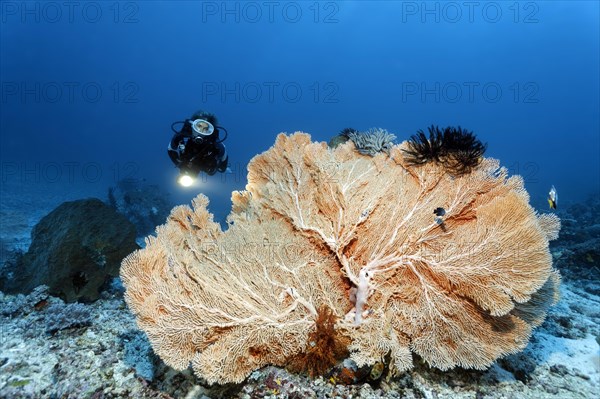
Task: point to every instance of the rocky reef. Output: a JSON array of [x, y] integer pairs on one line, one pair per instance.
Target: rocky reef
[[75, 250]]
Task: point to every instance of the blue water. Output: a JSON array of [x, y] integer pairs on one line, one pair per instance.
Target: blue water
[[90, 89]]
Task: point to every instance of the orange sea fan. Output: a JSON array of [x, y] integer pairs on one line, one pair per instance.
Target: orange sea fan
[[318, 228]]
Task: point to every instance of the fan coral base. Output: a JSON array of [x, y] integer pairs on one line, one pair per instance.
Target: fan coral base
[[320, 228]]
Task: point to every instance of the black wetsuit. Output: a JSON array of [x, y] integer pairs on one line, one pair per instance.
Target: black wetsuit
[[200, 154]]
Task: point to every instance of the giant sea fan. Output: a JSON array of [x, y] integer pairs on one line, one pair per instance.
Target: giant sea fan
[[354, 235]]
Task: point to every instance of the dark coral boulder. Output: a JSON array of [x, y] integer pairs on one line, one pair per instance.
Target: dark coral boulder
[[75, 250]]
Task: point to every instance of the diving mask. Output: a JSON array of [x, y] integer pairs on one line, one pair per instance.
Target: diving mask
[[202, 127]]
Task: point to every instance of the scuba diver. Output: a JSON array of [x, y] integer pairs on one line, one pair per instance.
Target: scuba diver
[[197, 147]]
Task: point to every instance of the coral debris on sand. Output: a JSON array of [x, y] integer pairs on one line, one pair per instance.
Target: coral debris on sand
[[108, 357]]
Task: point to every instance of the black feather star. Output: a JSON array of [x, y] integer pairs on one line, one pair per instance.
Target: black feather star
[[422, 150], [456, 149]]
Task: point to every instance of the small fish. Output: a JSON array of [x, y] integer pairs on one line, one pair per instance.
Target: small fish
[[441, 223], [439, 211], [376, 371], [552, 197], [40, 305]]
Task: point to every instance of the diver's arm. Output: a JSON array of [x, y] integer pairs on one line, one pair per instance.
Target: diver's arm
[[174, 155]]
